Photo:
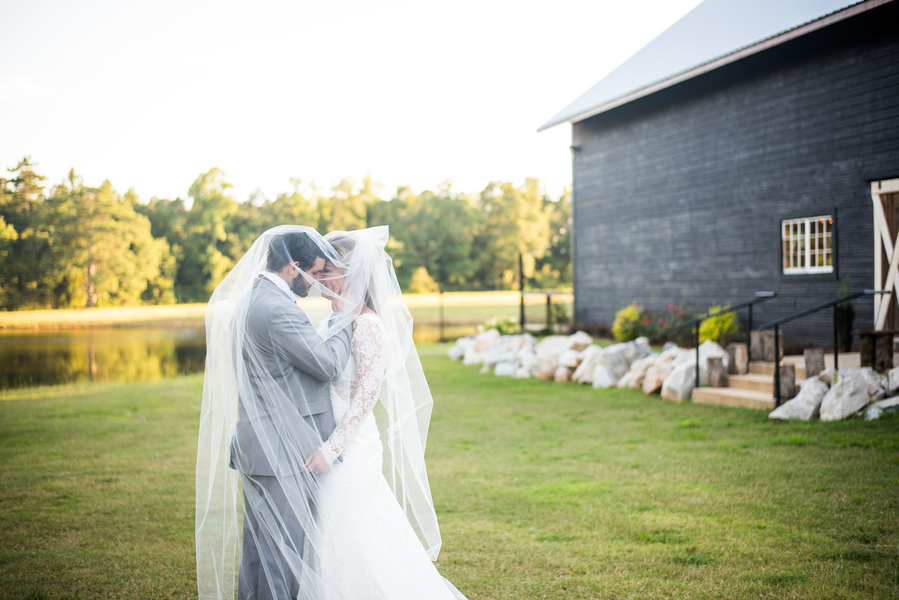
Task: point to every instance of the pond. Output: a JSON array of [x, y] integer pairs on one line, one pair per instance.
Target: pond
[[30, 358]]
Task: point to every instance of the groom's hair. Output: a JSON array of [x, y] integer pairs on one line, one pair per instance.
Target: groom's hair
[[291, 247]]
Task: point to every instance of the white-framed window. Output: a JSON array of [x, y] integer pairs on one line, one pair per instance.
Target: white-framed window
[[807, 245]]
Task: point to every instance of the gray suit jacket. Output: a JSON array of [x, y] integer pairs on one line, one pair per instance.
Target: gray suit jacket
[[291, 357]]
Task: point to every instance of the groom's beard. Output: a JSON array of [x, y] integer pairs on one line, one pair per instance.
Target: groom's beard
[[299, 286]]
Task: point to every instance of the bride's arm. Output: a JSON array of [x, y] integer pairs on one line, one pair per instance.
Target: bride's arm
[[368, 350]]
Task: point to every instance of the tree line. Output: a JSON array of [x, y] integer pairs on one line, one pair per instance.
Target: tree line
[[72, 245]]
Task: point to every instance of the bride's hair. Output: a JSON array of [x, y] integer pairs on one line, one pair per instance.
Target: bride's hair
[[344, 245]]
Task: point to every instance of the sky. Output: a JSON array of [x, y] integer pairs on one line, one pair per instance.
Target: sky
[[150, 94]]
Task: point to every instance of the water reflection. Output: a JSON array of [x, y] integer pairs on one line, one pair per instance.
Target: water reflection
[[121, 354]]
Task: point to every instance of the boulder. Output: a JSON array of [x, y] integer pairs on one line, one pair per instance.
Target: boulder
[[603, 377], [707, 350], [485, 339], [678, 386], [528, 360], [888, 404], [590, 358], [628, 380], [893, 378], [548, 351], [828, 376], [562, 374], [668, 346], [522, 373], [457, 351], [637, 349], [614, 359], [873, 413], [502, 349], [638, 370], [846, 397], [656, 376], [570, 358], [579, 340], [803, 407], [876, 383], [505, 368]]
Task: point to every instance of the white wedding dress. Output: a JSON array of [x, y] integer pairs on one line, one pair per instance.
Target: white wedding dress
[[367, 548]]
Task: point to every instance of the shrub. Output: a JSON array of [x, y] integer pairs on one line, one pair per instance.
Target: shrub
[[504, 325], [626, 321], [719, 327]]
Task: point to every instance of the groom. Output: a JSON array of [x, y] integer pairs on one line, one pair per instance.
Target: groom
[[284, 369]]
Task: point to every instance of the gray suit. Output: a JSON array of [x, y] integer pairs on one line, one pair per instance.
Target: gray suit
[[284, 373]]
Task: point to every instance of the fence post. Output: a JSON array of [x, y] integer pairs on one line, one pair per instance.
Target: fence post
[[749, 334], [777, 365], [697, 355], [521, 289], [836, 341], [549, 313], [442, 320]]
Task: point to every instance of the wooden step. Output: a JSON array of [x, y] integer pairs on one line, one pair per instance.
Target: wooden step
[[753, 381], [733, 397]]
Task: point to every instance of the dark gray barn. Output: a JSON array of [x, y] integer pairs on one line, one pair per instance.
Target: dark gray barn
[[738, 152]]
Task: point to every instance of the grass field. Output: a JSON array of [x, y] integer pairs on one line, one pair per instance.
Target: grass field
[[543, 491]]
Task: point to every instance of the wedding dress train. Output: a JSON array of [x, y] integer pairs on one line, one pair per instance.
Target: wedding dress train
[[368, 549]]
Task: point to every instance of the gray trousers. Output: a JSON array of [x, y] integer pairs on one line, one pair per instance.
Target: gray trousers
[[276, 515]]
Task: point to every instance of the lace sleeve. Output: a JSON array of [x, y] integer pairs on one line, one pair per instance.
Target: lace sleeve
[[368, 351]]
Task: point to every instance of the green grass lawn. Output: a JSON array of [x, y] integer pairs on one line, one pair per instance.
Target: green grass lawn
[[543, 491]]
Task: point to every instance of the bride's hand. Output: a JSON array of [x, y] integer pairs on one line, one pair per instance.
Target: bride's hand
[[316, 463]]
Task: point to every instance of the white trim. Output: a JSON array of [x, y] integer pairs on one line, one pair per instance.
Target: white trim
[[806, 222], [761, 46]]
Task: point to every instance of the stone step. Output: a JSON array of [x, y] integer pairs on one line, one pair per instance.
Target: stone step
[[733, 397], [753, 381], [767, 368]]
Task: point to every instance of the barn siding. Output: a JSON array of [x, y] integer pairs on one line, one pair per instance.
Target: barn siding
[[679, 196]]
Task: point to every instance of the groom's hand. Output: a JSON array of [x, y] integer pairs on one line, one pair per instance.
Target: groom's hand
[[316, 463]]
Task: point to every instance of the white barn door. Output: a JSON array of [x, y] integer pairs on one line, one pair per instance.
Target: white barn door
[[885, 196]]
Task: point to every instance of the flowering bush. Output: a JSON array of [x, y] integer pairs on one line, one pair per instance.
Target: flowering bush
[[504, 325], [625, 326], [719, 328], [664, 325]]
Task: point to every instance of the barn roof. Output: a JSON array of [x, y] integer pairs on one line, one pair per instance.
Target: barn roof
[[715, 33]]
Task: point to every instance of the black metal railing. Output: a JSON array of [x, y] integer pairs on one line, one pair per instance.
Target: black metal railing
[[759, 297], [804, 313]]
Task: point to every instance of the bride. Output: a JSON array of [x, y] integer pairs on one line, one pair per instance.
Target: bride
[[367, 548], [292, 500]]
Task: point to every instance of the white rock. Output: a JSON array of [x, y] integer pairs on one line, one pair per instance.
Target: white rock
[[845, 398], [589, 360], [656, 376], [671, 354], [805, 406], [828, 376], [522, 373], [876, 383], [472, 356], [563, 374], [579, 340], [548, 351], [708, 349], [569, 358], [627, 381], [458, 349], [638, 370], [668, 346], [603, 377], [505, 368], [893, 381], [873, 413], [678, 386], [485, 369], [614, 356], [485, 339], [888, 403]]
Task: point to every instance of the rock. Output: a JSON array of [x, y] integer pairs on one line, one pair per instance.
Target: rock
[[548, 351], [589, 360], [503, 349], [828, 376], [603, 377], [873, 413], [569, 358], [628, 380], [563, 374], [485, 339], [670, 355], [614, 358], [522, 373], [528, 360], [579, 340], [707, 349], [876, 383], [888, 404], [803, 407], [638, 371], [637, 349], [484, 369], [656, 376], [668, 346], [505, 368], [457, 352], [893, 377], [678, 386], [846, 397]]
